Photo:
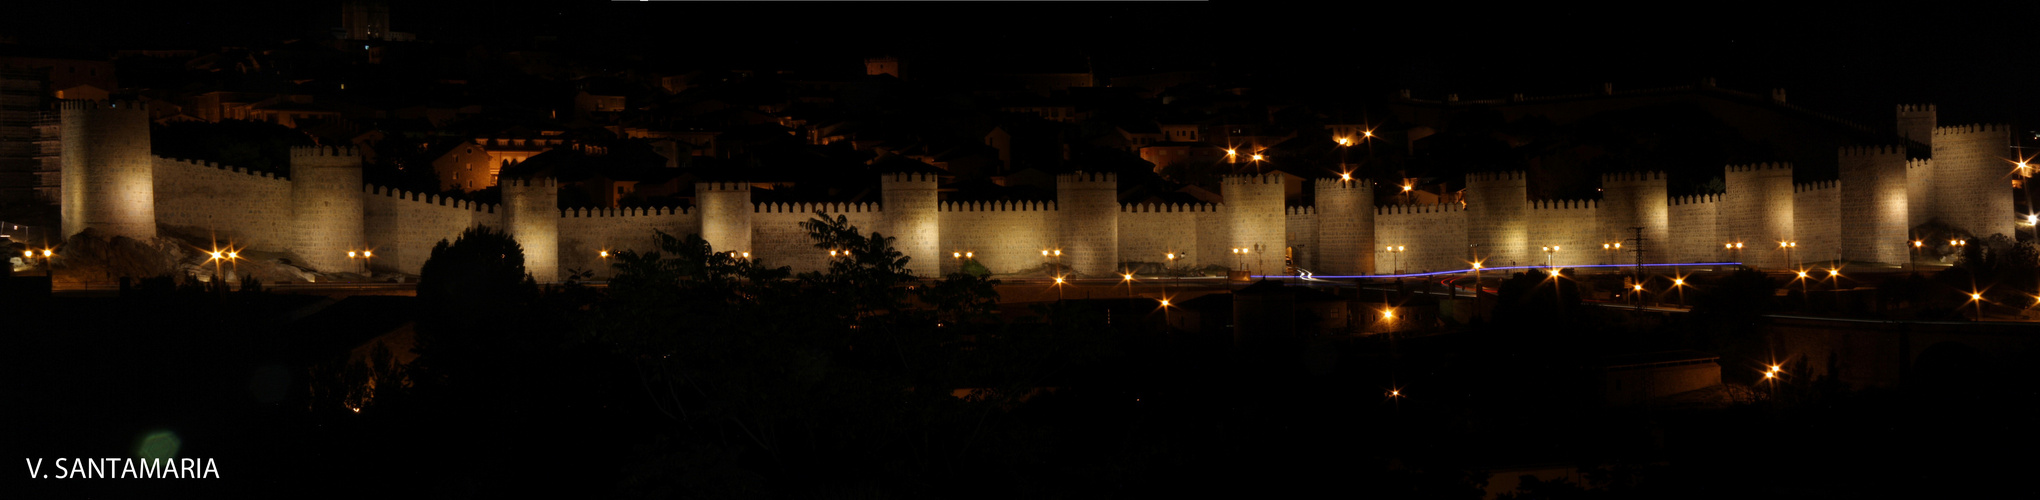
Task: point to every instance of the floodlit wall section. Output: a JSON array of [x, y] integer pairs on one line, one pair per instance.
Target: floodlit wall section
[[108, 174], [1432, 238], [1757, 211], [1572, 229], [587, 232], [1816, 222], [402, 227], [777, 238], [1254, 204], [1874, 204], [1973, 189], [1694, 238], [1149, 233], [241, 208]]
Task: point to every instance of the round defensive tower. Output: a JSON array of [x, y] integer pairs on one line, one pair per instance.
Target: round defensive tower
[[1345, 226], [531, 210], [911, 218], [1631, 200], [725, 209], [108, 173], [1253, 206], [1757, 212], [1497, 206], [1874, 205], [1971, 191], [326, 207], [1087, 204]]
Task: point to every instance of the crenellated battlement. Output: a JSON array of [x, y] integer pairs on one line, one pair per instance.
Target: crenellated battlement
[[809, 208], [1881, 150], [1980, 128], [1088, 178], [428, 198], [1926, 164], [1696, 199], [589, 213], [1564, 204], [1169, 208], [1916, 108], [1514, 175], [1251, 180], [1624, 177], [210, 165], [908, 178], [319, 151], [1761, 167], [70, 105], [1323, 185], [1299, 210], [1429, 208], [722, 186], [1813, 186]]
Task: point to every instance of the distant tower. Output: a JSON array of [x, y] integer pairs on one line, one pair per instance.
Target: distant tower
[[1916, 123], [531, 212], [1497, 204], [326, 207], [1636, 199], [1254, 210], [888, 65], [365, 19], [1757, 212], [725, 215], [1345, 226], [1087, 204], [109, 175], [1874, 205], [911, 218]]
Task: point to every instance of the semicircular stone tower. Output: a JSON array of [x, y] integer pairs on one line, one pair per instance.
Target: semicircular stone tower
[[1253, 205], [1088, 205], [1345, 226], [326, 207], [911, 218], [531, 212], [725, 215], [108, 173]]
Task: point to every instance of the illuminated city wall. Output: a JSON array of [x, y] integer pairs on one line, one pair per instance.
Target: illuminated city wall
[[402, 227], [1816, 222], [1149, 233], [108, 174], [1873, 195], [1636, 199], [1971, 190], [325, 211], [586, 233], [234, 205], [1433, 237], [1254, 210], [1757, 212], [1345, 227], [326, 206], [1572, 228], [1694, 239]]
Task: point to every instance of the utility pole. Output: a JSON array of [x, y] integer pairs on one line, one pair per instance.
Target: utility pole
[[1636, 245]]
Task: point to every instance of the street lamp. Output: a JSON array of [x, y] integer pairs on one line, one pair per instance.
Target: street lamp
[[1547, 255], [1978, 299], [1395, 254]]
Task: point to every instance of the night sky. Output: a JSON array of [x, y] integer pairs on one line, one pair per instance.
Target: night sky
[[1854, 63]]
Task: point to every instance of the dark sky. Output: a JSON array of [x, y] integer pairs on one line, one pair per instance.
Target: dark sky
[[1976, 64]]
